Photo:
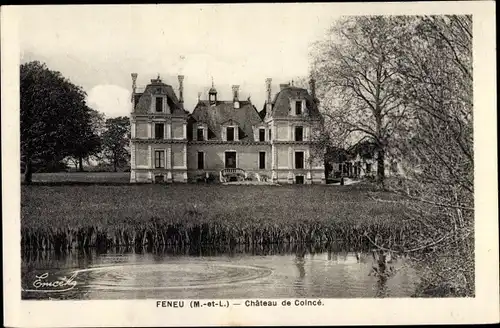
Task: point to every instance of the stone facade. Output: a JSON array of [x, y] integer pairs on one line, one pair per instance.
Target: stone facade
[[169, 144]]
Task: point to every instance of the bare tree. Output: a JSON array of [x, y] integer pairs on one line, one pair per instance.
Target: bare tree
[[406, 83], [436, 74], [355, 67]]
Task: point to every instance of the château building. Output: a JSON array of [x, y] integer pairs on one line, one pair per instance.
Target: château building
[[224, 139]]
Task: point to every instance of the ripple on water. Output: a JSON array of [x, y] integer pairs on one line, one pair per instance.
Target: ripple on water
[[170, 276]]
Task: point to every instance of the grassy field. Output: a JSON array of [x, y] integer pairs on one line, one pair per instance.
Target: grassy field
[[82, 177], [76, 216]]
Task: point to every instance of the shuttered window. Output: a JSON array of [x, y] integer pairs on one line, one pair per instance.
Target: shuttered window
[[159, 159]]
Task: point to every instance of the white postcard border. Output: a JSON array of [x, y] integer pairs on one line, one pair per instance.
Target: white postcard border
[[481, 309]]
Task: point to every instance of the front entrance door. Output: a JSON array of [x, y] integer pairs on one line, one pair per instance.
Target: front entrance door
[[230, 160]]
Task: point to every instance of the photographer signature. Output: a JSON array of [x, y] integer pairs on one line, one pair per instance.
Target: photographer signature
[[43, 284]]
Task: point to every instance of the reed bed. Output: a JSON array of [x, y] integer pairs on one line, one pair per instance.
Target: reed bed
[[78, 217]]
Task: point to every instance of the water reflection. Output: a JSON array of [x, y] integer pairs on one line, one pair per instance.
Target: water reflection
[[299, 285], [382, 268], [228, 272]]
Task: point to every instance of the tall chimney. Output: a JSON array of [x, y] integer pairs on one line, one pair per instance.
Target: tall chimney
[[236, 96], [236, 89], [268, 96], [181, 88], [134, 85], [268, 89]]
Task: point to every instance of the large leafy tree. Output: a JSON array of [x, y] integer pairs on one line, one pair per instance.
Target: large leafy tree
[[355, 67], [52, 111], [115, 141], [88, 140]]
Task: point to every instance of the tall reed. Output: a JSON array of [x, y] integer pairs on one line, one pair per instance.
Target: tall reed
[[78, 217]]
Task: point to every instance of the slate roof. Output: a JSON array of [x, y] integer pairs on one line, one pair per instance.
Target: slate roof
[[224, 112], [281, 104], [143, 103], [246, 116]]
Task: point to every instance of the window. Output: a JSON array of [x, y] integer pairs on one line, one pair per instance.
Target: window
[[299, 179], [159, 159], [201, 160], [262, 160], [199, 134], [299, 133], [159, 104], [368, 167], [299, 160], [230, 134], [159, 130], [270, 134], [298, 108], [262, 135], [230, 160]]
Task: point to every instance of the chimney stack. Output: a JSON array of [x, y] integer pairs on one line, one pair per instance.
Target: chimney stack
[[199, 96], [181, 88], [235, 96], [268, 96], [134, 84], [268, 90]]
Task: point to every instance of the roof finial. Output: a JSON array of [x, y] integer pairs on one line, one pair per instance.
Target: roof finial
[[212, 81], [292, 82]]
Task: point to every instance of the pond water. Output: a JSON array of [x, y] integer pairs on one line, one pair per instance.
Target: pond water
[[284, 272]]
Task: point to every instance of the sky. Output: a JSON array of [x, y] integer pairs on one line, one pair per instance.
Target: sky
[[98, 47]]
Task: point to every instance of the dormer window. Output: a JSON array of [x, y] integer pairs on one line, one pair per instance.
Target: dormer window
[[230, 134], [159, 104], [298, 108], [199, 134]]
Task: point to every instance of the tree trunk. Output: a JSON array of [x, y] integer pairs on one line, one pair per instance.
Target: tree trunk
[[80, 164], [114, 165], [381, 167], [28, 171]]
